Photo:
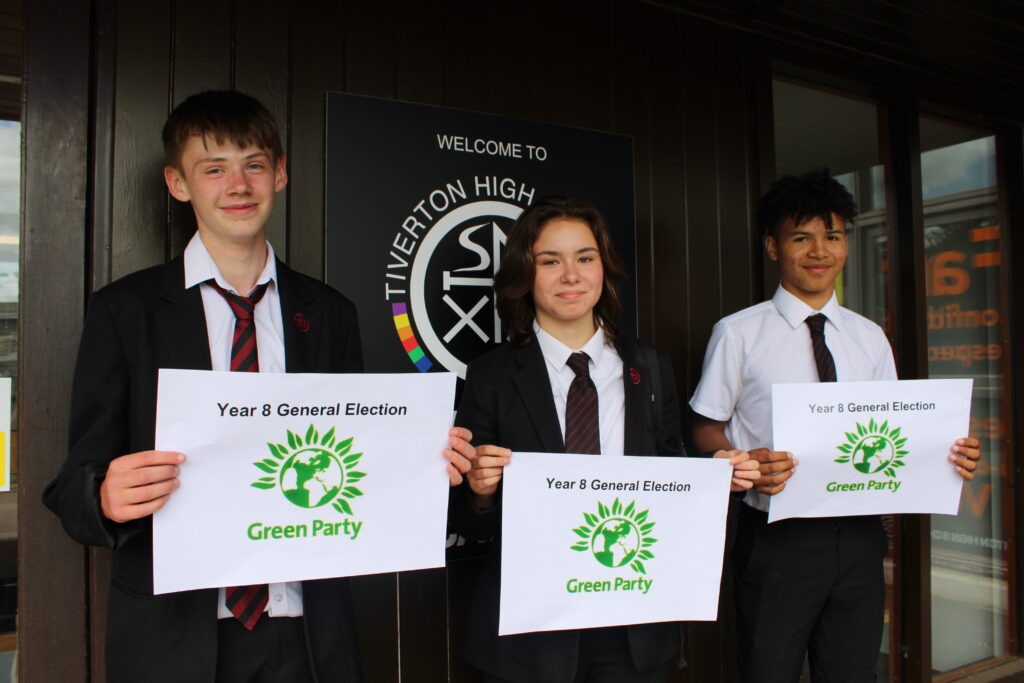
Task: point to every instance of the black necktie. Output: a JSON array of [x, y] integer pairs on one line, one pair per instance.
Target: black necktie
[[245, 602], [582, 431], [822, 356]]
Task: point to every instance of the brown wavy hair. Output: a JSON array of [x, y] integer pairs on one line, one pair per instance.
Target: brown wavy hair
[[513, 283]]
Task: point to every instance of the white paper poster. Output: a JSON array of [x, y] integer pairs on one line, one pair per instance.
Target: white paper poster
[[870, 448], [590, 540], [300, 476]]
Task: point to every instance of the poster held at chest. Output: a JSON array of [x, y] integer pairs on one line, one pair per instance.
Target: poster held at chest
[[419, 200], [291, 477], [591, 541], [869, 448]]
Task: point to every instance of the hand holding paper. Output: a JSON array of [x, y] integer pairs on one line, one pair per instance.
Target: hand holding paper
[[744, 469], [775, 468], [138, 484], [965, 455], [459, 454], [488, 469]]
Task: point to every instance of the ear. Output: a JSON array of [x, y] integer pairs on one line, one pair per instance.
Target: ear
[[280, 174], [771, 247], [176, 184]]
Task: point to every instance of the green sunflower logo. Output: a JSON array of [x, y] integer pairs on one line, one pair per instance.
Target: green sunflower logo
[[313, 470], [617, 536], [874, 448]]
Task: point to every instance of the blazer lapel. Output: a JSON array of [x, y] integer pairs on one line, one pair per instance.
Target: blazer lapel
[[301, 320], [534, 387], [636, 384], [182, 322]]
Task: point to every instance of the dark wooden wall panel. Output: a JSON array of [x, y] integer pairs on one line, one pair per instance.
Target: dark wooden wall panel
[[668, 182], [466, 53], [551, 60], [317, 46], [52, 621], [508, 66], [139, 230], [419, 53], [631, 91], [590, 83]]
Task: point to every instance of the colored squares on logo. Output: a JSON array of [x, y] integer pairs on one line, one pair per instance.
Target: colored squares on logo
[[408, 338]]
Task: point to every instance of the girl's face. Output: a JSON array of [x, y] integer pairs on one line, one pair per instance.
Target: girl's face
[[568, 273]]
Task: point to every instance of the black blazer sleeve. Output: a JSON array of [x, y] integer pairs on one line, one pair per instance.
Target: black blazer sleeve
[[98, 432]]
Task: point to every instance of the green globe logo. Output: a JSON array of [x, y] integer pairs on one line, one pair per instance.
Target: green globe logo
[[617, 536], [311, 478], [873, 448], [313, 470], [615, 542]]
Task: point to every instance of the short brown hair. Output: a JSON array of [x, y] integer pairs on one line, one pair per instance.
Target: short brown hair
[[513, 283], [224, 115]]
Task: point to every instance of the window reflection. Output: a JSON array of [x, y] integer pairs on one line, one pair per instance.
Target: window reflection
[[966, 313]]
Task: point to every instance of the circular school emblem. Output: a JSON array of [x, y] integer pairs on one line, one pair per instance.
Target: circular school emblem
[[440, 271]]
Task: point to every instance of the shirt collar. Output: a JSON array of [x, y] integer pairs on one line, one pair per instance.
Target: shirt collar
[[796, 311], [200, 266], [557, 354]]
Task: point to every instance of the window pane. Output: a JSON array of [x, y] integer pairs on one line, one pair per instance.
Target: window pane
[[817, 129], [967, 335]]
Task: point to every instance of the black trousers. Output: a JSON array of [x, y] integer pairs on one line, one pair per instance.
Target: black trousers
[[605, 658], [275, 651], [809, 586]]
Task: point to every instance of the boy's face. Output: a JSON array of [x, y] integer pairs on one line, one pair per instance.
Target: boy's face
[[231, 189], [810, 256]]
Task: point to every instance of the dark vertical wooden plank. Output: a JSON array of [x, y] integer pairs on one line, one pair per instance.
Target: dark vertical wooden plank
[[764, 125], [700, 115], [101, 220], [423, 631], [1010, 155], [466, 49], [740, 248], [370, 47], [139, 229], [419, 52], [629, 47], [901, 144], [462, 576], [591, 78], [52, 608], [260, 68], [668, 175], [702, 284], [551, 59], [317, 46], [201, 60], [508, 63]]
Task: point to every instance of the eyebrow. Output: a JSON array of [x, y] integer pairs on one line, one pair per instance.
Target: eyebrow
[[558, 253], [247, 157]]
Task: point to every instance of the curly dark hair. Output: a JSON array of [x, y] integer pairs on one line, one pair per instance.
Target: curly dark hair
[[803, 198], [513, 283], [224, 115]]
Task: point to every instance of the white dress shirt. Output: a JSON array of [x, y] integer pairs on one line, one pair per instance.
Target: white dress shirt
[[770, 343], [605, 372], [285, 598]]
